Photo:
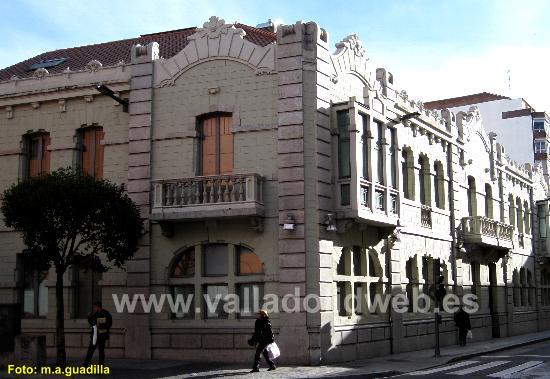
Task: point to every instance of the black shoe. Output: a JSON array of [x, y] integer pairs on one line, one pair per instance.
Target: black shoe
[[255, 370], [271, 368]]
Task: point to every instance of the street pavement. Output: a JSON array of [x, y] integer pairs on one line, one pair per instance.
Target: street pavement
[[523, 356], [528, 362]]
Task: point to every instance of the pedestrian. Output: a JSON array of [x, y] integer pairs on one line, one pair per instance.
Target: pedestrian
[[462, 321], [262, 337], [100, 321]]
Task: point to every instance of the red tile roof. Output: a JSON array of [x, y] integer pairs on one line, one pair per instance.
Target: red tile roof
[[477, 98], [110, 53]]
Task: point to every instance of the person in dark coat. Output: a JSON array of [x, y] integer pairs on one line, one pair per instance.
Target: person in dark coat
[[102, 320], [263, 336], [462, 321]]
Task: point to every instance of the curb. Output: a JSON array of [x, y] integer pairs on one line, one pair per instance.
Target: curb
[[388, 374]]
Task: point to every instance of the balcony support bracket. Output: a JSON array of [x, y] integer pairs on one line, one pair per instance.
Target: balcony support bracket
[[257, 224], [167, 229]]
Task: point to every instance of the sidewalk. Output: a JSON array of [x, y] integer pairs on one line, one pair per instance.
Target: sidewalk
[[370, 368]]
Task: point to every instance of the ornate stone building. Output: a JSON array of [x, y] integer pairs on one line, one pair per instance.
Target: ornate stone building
[[265, 163]]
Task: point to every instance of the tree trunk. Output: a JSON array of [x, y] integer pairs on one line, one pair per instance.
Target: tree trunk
[[60, 321]]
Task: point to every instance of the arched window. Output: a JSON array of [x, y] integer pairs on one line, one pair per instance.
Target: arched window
[[488, 201], [248, 262], [357, 278], [185, 265], [407, 171], [523, 286], [531, 289], [216, 144], [472, 197], [511, 210], [519, 215], [527, 217], [517, 289], [439, 185], [216, 270], [424, 180], [411, 269]]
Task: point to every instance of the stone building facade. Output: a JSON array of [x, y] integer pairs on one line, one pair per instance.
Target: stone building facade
[[264, 163]]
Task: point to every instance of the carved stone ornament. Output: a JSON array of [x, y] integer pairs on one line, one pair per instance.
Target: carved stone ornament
[[93, 66], [352, 43], [214, 27], [9, 112], [41, 73]]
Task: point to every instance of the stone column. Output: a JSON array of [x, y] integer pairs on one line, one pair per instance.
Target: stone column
[[138, 337]]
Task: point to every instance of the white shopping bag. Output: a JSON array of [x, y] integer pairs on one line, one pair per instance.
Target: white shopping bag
[[94, 335], [273, 350], [469, 335]]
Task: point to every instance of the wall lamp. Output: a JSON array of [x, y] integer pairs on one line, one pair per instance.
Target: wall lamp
[[289, 223], [104, 90], [331, 224]]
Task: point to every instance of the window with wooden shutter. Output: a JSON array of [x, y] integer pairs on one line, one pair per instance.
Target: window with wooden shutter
[[91, 153], [216, 145], [38, 156]]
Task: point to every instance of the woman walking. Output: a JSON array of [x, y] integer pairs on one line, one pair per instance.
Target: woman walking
[[263, 336]]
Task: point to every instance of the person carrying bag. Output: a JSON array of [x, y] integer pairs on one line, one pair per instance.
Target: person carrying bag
[[264, 341]]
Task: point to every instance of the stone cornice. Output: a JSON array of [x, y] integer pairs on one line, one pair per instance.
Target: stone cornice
[[63, 85]]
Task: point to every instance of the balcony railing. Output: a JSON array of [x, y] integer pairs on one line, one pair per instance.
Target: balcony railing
[[486, 231], [207, 197], [426, 216]]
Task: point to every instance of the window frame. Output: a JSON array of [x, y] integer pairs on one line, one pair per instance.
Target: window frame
[[200, 122]]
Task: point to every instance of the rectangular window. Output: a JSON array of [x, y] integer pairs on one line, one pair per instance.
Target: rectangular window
[[35, 292], [357, 253], [342, 297], [378, 154], [215, 260], [344, 164], [540, 147], [250, 299], [87, 291], [360, 298], [392, 134], [216, 145], [538, 126], [541, 215], [184, 295], [91, 151], [366, 146], [38, 155], [215, 297]]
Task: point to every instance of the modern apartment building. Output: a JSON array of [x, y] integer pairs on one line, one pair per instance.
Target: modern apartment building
[[267, 163], [522, 130]]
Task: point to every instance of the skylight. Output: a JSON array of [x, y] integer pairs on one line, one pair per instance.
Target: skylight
[[47, 63]]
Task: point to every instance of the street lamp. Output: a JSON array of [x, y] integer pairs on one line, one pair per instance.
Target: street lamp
[[405, 117], [104, 90]]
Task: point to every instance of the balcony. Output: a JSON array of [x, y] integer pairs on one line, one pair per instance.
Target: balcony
[[374, 204], [488, 232], [207, 197]]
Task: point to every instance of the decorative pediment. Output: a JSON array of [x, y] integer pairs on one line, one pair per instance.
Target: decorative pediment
[[215, 40], [350, 58], [351, 43]]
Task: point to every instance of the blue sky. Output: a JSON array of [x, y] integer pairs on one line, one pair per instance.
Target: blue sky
[[435, 48]]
